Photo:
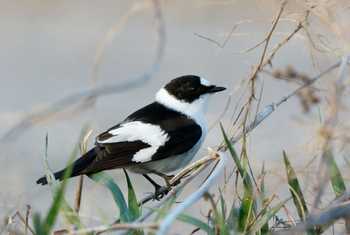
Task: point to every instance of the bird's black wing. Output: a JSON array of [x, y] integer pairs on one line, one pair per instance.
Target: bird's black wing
[[182, 134], [111, 156]]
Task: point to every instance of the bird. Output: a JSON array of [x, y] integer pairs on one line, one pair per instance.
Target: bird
[[158, 139]]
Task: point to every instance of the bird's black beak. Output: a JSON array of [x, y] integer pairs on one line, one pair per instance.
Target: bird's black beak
[[214, 89]]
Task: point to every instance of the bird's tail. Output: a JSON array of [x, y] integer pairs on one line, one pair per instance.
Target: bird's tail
[[58, 176], [77, 167]]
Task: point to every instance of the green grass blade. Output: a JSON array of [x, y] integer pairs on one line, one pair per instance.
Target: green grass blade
[[295, 189], [232, 151], [221, 226], [232, 219], [263, 199], [70, 215], [248, 205], [297, 194], [38, 225], [245, 211], [169, 201], [197, 223], [222, 204], [336, 178], [134, 209], [59, 202], [262, 182], [163, 211], [58, 199], [55, 207], [243, 173], [224, 228], [264, 219], [117, 194]]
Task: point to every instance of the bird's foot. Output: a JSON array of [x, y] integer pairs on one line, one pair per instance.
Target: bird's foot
[[165, 177], [160, 192]]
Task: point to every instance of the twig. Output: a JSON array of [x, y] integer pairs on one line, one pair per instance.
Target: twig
[[268, 109], [193, 166], [83, 98], [172, 215], [208, 197], [261, 116], [51, 180], [329, 124], [108, 228], [333, 213], [326, 216], [223, 44], [78, 193], [269, 35], [180, 175], [24, 221], [261, 63], [285, 40], [342, 75], [176, 190], [265, 61], [27, 220], [252, 79]]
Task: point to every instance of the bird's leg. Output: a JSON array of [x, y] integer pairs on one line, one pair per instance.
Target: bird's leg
[[160, 191], [166, 178]]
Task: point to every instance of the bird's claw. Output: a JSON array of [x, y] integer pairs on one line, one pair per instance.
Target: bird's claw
[[160, 192]]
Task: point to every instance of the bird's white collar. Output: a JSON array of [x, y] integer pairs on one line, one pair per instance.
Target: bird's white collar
[[194, 110]]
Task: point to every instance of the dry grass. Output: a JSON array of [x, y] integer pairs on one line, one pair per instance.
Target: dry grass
[[252, 210]]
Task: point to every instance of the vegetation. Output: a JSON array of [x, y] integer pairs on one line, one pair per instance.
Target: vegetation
[[251, 209]]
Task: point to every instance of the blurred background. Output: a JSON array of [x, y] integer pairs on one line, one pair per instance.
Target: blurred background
[[52, 49]]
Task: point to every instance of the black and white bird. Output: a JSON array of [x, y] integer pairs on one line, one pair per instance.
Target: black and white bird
[[159, 138]]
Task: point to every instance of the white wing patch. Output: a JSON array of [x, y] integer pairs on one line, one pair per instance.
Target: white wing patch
[[145, 132]]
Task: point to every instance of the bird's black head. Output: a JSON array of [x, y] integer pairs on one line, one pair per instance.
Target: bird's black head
[[190, 87]]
